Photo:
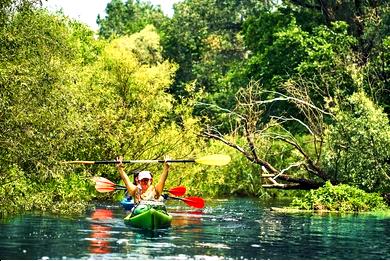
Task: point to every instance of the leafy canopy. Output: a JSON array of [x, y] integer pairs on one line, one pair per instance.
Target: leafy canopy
[[126, 18], [358, 143]]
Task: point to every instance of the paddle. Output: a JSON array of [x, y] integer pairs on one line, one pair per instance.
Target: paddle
[[195, 202], [105, 185], [214, 160]]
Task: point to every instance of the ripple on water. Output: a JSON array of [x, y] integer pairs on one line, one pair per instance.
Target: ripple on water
[[228, 229]]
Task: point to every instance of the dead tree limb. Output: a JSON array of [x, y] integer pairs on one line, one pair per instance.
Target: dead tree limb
[[248, 115]]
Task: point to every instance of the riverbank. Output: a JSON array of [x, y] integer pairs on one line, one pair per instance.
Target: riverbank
[[292, 210]]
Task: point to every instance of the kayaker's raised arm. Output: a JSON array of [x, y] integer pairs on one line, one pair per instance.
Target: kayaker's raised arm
[[131, 188], [161, 183]]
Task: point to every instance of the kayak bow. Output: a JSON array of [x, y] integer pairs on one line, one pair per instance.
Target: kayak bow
[[149, 215]]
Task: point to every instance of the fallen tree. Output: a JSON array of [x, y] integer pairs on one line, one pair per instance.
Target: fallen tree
[[251, 121], [337, 148]]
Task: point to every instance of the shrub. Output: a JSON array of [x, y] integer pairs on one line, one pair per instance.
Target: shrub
[[343, 198]]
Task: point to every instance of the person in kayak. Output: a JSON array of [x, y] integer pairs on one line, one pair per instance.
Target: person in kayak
[[144, 189]]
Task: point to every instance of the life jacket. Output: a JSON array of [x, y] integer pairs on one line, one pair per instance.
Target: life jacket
[[150, 194]]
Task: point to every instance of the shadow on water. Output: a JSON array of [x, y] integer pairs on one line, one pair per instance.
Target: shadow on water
[[224, 229]]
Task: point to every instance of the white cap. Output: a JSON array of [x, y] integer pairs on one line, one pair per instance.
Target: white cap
[[144, 175]]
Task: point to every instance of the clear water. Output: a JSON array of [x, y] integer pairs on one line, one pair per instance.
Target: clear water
[[225, 229]]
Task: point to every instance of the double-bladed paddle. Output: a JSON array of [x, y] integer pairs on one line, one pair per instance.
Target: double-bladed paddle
[[105, 185], [214, 160]]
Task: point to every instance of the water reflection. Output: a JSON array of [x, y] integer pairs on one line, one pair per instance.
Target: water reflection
[[183, 219], [231, 229], [101, 231]]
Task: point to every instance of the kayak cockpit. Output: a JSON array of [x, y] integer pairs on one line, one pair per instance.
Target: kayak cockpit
[[149, 215]]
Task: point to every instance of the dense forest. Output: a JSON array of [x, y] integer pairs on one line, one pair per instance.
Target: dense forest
[[297, 92]]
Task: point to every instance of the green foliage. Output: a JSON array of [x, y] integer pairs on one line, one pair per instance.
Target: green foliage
[[358, 143], [67, 195], [126, 18], [9, 7], [284, 60], [203, 39], [277, 40], [66, 95], [330, 62], [239, 177], [37, 54], [83, 40], [259, 30], [343, 198], [321, 55], [377, 73], [119, 104]]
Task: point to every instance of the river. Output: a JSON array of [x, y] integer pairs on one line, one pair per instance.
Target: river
[[225, 229]]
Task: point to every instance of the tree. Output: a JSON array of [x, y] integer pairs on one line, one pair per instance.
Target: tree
[[9, 7], [123, 107], [377, 77], [66, 95], [377, 74], [263, 134], [126, 18], [345, 144], [354, 13], [39, 55], [322, 56], [368, 23], [203, 37], [357, 144], [124, 94]]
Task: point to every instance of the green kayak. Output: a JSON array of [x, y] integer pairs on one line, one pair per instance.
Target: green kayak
[[149, 215]]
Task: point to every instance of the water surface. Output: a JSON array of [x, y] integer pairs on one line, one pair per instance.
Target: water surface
[[225, 229]]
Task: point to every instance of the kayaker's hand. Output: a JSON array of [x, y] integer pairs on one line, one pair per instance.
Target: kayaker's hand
[[166, 158], [120, 165]]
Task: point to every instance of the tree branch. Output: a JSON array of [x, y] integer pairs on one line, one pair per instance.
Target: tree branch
[[230, 144], [288, 98]]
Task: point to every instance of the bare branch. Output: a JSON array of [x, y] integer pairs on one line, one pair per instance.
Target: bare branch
[[250, 118], [230, 144], [288, 98], [221, 109], [293, 143], [294, 119], [289, 167]]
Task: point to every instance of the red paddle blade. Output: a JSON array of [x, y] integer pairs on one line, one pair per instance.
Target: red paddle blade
[[104, 188], [177, 191], [195, 202], [103, 181]]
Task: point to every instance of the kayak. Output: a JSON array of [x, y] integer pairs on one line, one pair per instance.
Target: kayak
[[127, 203], [149, 215]]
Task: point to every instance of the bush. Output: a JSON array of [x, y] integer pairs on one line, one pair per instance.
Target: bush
[[67, 195], [343, 198]]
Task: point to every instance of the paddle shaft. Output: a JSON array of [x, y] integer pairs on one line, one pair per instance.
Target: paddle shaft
[[130, 161], [213, 160]]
